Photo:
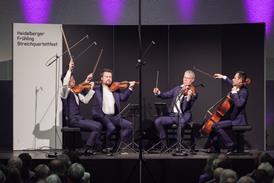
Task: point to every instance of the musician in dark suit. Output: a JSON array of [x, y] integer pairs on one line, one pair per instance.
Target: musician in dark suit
[[106, 105], [71, 107], [183, 98], [236, 115]]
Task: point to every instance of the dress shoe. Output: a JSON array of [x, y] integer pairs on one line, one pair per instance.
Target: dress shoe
[[230, 150], [89, 152], [107, 151]]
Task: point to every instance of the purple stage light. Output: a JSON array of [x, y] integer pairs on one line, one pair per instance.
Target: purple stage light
[[260, 11], [111, 11], [36, 11], [186, 9]]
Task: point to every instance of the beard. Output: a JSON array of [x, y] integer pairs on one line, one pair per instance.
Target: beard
[[108, 82]]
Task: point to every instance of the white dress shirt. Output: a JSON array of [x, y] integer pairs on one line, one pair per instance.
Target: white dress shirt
[[108, 101], [178, 101]]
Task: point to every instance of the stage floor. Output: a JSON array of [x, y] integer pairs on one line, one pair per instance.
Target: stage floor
[[200, 154]]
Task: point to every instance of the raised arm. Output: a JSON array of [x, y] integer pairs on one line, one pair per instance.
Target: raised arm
[[220, 76], [65, 85]]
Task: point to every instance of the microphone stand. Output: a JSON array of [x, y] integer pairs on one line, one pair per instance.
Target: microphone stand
[[140, 64], [54, 154]]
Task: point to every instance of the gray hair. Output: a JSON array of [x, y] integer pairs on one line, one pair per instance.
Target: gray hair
[[228, 176], [246, 179], [267, 167], [217, 173], [53, 178], [41, 171], [76, 172], [191, 73]]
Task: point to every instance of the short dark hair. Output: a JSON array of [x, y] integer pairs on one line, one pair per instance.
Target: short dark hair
[[105, 70], [244, 77]]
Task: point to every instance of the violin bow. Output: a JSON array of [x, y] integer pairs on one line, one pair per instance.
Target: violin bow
[[157, 79], [203, 72], [66, 42], [98, 59]]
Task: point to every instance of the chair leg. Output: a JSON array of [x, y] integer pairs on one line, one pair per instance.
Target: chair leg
[[240, 145]]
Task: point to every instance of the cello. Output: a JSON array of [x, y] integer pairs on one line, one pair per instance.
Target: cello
[[220, 109]]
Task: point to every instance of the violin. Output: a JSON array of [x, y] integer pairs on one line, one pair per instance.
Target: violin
[[187, 88], [82, 86], [120, 85]]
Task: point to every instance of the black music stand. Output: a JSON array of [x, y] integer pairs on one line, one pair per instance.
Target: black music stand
[[161, 110], [180, 149], [132, 111]]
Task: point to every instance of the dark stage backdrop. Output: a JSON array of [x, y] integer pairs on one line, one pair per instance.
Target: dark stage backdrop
[[6, 135], [213, 48]]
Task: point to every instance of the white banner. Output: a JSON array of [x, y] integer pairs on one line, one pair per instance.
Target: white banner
[[34, 86]]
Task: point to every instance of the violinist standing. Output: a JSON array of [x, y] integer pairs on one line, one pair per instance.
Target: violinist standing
[[106, 107], [238, 96], [71, 105], [183, 98]]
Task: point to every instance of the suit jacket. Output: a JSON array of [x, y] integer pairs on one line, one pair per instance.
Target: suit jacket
[[71, 109], [97, 100], [239, 100], [185, 106]]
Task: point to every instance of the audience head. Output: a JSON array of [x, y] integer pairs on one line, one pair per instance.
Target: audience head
[[26, 166], [41, 171], [13, 175], [26, 160], [228, 176], [246, 179], [15, 162], [262, 157], [75, 172], [259, 176], [57, 167], [209, 163], [53, 178], [65, 159], [267, 167], [217, 174]]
